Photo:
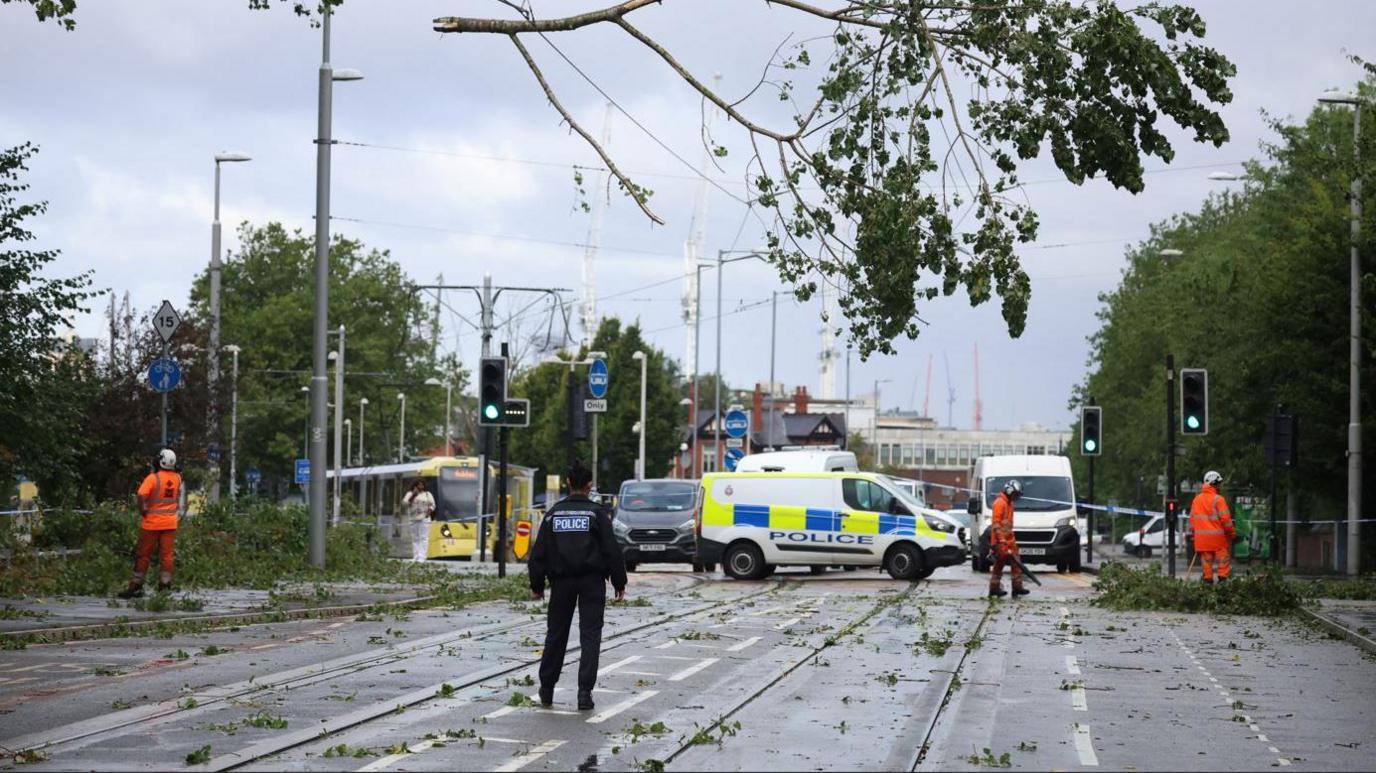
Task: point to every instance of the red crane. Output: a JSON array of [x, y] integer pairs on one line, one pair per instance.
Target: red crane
[[979, 408]]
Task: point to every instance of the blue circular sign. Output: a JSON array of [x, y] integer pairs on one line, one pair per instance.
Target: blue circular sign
[[732, 458], [736, 423], [164, 375], [598, 378], [253, 475]]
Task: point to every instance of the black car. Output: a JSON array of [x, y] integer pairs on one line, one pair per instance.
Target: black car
[[653, 521]]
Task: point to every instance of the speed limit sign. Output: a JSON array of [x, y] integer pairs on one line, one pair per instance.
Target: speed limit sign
[[166, 321]]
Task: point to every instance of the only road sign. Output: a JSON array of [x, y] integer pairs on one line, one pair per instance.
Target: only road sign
[[735, 442], [166, 321], [303, 471], [164, 374], [598, 378], [212, 452], [253, 475], [594, 406], [732, 458], [737, 423]]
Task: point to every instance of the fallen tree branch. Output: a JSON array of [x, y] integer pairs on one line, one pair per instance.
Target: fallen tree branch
[[561, 24]]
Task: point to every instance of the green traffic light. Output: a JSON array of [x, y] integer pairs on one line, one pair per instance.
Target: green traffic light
[[1192, 422], [1090, 445], [491, 411]]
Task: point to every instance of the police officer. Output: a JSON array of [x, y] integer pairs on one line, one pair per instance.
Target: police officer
[[577, 551]]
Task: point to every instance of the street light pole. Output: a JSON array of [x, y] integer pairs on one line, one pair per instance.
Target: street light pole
[[448, 397], [362, 403], [338, 423], [234, 425], [349, 442], [716, 418], [401, 437], [213, 361], [640, 460], [697, 459]]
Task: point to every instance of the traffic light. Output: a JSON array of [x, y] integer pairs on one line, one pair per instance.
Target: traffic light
[[1091, 430], [1194, 401], [492, 391], [516, 413]]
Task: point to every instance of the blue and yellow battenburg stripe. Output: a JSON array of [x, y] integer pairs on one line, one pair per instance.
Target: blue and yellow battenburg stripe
[[780, 517]]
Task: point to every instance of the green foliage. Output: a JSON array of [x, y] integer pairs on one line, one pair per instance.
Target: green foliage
[[199, 757], [1260, 299], [44, 383], [988, 759], [544, 444], [58, 11], [1265, 592]]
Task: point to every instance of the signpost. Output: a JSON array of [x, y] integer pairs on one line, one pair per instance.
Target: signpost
[[594, 406], [252, 475], [167, 375], [732, 458], [736, 423], [599, 378]]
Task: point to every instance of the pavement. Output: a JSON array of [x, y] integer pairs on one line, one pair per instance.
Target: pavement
[[846, 670]]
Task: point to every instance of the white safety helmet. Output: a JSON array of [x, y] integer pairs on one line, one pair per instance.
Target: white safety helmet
[[1013, 488], [167, 459], [1213, 478]]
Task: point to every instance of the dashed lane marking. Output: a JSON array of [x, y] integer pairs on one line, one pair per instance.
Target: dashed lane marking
[[1223, 692], [787, 623], [687, 672], [620, 707], [737, 647], [1077, 699], [522, 760], [1283, 762], [1084, 745], [666, 645], [1071, 666], [392, 759], [618, 664]]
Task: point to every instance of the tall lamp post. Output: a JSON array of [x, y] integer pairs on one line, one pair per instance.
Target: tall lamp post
[[874, 442], [401, 434], [448, 412], [1354, 405], [337, 357], [234, 424], [716, 416], [323, 141], [213, 363], [349, 442], [692, 434], [640, 460], [362, 404]]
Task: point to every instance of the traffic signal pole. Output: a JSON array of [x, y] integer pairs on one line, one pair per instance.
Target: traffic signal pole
[[501, 493], [1089, 516], [1171, 515]]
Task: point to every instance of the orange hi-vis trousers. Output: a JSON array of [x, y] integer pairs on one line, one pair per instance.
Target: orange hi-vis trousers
[[1211, 561], [150, 540]]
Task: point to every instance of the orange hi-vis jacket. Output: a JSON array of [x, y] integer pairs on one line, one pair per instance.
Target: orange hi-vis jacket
[[1211, 521], [1001, 527], [160, 491]]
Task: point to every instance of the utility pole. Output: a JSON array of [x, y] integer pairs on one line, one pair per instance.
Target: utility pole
[[501, 492], [213, 361], [1172, 485], [773, 327], [1089, 493], [338, 424], [234, 426]]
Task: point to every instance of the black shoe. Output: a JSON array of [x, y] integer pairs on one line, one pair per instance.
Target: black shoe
[[1222, 580], [546, 696], [997, 592], [132, 592], [584, 701], [1021, 591], [164, 587]]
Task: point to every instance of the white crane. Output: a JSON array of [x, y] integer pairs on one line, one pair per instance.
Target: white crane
[[696, 245], [588, 312]]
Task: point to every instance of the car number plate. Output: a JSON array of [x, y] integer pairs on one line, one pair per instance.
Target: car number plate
[[650, 547], [1032, 551]]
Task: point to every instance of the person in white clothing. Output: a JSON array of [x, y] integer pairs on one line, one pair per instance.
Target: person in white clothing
[[420, 507]]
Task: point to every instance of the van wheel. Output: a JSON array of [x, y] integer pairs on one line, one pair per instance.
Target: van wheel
[[743, 561], [816, 569], [1144, 551], [850, 568], [904, 562], [1074, 566], [709, 568]]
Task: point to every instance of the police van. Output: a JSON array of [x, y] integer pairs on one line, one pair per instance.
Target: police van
[[751, 523]]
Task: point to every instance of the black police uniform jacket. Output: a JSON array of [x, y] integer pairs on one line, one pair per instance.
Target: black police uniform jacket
[[575, 540]]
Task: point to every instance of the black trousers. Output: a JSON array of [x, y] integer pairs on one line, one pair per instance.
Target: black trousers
[[589, 594]]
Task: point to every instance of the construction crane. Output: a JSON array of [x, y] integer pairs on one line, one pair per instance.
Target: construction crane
[[927, 397], [588, 312], [696, 246], [950, 394], [979, 408]]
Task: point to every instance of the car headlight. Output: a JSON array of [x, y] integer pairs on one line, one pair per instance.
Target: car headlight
[[1069, 520], [938, 524], [687, 525], [619, 526]]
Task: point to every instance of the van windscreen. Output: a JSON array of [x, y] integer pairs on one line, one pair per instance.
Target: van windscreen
[[1040, 493], [657, 496]]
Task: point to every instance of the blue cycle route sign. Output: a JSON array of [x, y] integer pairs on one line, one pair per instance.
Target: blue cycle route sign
[[303, 471], [732, 458], [164, 375], [736, 423], [253, 475], [598, 378]]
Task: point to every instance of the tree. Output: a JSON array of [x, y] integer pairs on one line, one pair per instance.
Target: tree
[[885, 223], [1258, 298], [59, 11], [266, 310], [546, 385], [43, 381]]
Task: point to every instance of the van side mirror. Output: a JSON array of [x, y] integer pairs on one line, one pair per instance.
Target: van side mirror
[[973, 506]]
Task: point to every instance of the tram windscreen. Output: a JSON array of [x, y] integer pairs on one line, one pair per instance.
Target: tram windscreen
[[458, 493]]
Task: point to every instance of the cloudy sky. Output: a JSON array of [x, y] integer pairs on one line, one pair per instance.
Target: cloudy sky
[[475, 172]]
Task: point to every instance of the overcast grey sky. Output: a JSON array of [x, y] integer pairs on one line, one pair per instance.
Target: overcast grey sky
[[130, 108]]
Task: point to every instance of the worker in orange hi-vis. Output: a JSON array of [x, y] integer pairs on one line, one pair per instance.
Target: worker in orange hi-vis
[[1004, 543], [158, 498], [1212, 524]]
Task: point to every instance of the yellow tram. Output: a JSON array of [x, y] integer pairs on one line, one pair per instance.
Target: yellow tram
[[457, 485]]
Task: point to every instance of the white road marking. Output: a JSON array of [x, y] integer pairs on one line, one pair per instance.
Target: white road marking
[[1084, 745], [787, 623], [1071, 666], [1213, 679], [1077, 699], [1065, 612], [763, 612], [392, 759], [1274, 750], [503, 711], [336, 625], [618, 664], [666, 645], [265, 646], [737, 647], [687, 672], [1263, 738], [641, 673], [1254, 727], [1069, 643], [620, 707], [522, 760], [1284, 762]]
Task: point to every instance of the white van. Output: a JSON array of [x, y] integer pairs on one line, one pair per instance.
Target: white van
[[1152, 537], [751, 523], [1045, 521], [799, 461]]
